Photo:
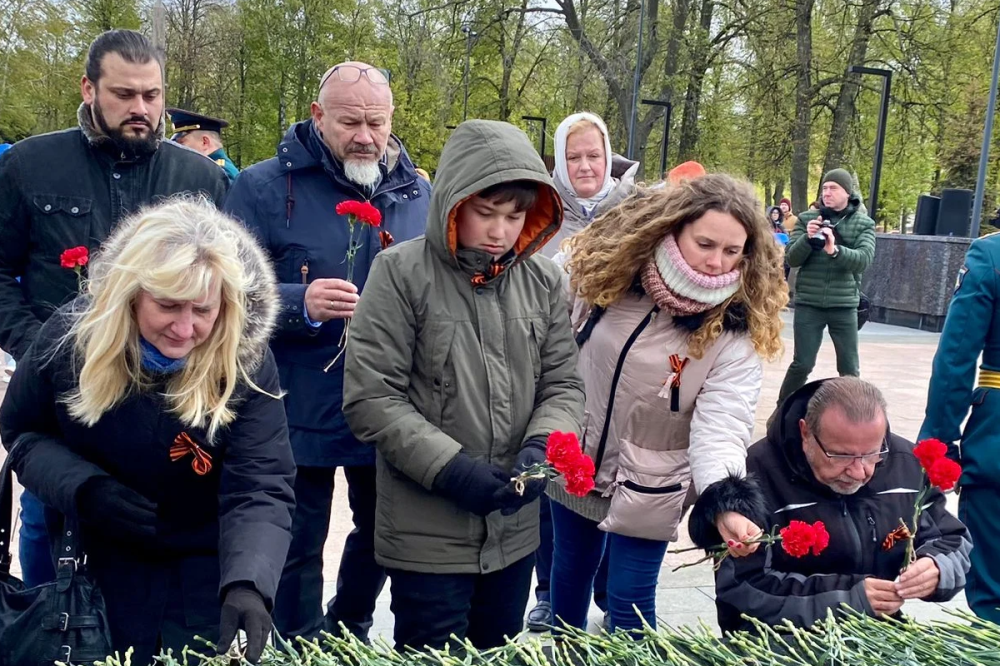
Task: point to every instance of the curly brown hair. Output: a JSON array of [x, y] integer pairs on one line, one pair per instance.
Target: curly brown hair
[[606, 257]]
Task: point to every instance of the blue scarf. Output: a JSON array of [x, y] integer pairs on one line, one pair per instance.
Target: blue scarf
[[156, 362]]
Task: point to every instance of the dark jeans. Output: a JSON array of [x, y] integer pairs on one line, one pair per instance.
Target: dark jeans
[[543, 561], [543, 556], [808, 328], [483, 608], [977, 509], [633, 569], [298, 606], [33, 547]]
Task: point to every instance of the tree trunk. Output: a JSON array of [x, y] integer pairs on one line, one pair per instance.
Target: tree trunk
[[680, 12], [803, 105], [847, 99], [688, 145], [282, 116], [613, 77], [779, 192]]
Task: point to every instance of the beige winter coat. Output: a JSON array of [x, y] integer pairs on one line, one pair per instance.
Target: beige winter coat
[[653, 449]]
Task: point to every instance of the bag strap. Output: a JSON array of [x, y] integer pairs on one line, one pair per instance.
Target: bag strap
[[69, 544], [593, 317], [614, 383]]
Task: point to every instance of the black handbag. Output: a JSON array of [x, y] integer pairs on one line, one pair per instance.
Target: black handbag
[[864, 308], [64, 620]]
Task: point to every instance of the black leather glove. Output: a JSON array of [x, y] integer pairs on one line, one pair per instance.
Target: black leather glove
[[532, 453], [243, 608], [474, 485], [114, 508]]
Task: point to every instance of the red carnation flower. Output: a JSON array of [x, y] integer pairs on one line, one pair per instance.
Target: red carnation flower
[[822, 537], [798, 538], [578, 481], [74, 257], [944, 474], [561, 449], [563, 453], [930, 451], [361, 210]]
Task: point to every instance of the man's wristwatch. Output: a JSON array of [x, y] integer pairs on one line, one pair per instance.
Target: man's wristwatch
[[836, 251]]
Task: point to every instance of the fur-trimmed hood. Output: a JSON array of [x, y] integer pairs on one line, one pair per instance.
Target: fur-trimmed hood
[[96, 137], [261, 290]]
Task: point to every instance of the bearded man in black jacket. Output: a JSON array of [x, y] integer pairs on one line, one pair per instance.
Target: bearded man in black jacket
[[71, 188], [831, 457]]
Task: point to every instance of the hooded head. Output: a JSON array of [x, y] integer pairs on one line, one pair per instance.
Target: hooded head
[[775, 216], [485, 155], [580, 165]]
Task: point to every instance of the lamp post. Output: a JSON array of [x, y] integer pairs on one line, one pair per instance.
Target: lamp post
[[470, 34], [668, 108], [991, 107], [541, 141], [883, 116], [635, 83]]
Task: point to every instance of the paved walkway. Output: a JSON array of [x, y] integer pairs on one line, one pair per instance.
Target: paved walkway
[[898, 360]]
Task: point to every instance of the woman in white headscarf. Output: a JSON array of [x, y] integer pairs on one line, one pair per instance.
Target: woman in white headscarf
[[590, 178]]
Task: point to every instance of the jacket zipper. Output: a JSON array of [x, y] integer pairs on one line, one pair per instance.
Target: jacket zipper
[[858, 538], [305, 271], [650, 490], [614, 384], [871, 521]]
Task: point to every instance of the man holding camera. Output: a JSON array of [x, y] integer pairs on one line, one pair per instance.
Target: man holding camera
[[831, 247]]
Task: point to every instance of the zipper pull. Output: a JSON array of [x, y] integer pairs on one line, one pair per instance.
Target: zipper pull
[[305, 272], [871, 521]]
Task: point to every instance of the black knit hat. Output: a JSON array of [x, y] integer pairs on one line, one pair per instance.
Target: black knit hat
[[842, 178]]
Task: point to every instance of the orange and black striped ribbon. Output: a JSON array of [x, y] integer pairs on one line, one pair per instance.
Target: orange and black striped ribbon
[[677, 367], [183, 445]]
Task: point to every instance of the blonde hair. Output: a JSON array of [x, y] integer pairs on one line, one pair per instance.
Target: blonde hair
[[178, 251], [606, 257], [581, 125]]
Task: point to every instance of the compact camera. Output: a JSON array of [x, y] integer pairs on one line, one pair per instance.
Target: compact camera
[[818, 240]]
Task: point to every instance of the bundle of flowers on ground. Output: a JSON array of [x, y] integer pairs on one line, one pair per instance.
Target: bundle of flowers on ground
[[563, 456], [853, 639]]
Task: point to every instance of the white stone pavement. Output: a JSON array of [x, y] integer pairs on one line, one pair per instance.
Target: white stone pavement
[[898, 360]]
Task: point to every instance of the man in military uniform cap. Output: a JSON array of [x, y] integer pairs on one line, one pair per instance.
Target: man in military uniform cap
[[202, 133]]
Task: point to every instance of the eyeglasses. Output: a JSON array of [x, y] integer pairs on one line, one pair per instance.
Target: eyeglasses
[[845, 460], [352, 73]]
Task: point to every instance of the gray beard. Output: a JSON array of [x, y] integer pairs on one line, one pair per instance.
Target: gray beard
[[363, 172]]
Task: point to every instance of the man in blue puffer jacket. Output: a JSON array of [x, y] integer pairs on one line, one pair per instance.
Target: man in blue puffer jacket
[[344, 152]]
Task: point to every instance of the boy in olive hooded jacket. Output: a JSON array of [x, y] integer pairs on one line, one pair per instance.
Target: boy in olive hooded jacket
[[461, 362]]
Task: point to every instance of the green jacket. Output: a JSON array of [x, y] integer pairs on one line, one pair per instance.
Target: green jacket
[[832, 282], [442, 359]]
